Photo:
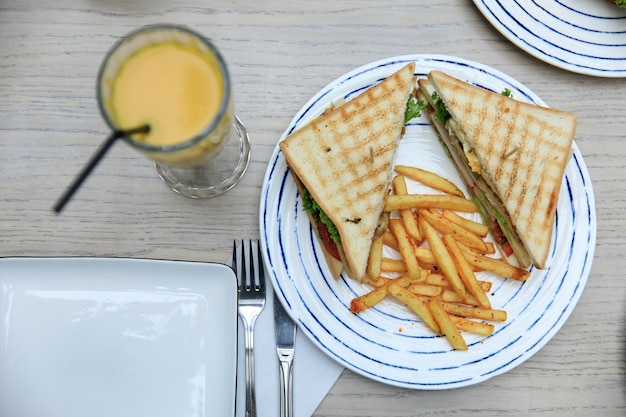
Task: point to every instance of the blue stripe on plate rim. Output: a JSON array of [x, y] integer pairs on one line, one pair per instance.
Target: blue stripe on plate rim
[[371, 344], [564, 42]]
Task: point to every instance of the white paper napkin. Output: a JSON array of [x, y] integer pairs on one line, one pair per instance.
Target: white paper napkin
[[314, 373]]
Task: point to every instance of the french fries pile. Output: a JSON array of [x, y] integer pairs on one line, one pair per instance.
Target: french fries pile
[[440, 253]]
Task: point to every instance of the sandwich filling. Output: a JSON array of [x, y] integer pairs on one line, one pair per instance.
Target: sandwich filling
[[326, 229]]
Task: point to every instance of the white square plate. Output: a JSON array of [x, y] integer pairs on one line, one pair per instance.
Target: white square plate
[[117, 337]]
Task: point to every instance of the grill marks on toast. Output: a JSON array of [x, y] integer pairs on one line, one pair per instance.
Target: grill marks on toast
[[523, 150], [360, 151], [345, 160], [533, 202]]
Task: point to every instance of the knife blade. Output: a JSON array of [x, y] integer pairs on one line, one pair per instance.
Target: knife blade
[[285, 332]]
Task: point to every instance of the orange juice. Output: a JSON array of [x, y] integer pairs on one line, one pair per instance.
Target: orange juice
[[174, 80], [172, 88]]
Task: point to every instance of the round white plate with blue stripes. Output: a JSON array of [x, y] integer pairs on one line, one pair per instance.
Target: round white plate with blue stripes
[[583, 36], [388, 343]]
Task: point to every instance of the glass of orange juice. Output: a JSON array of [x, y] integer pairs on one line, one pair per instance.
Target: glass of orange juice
[[176, 81]]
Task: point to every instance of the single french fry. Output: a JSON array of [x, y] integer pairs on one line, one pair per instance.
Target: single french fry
[[399, 185], [375, 282], [430, 179], [479, 229], [390, 240], [447, 226], [392, 265], [425, 256], [378, 294], [485, 285], [398, 266], [436, 279], [482, 329], [491, 248], [421, 201], [451, 296], [465, 271], [446, 324], [408, 219], [480, 313], [497, 266], [369, 299], [419, 288], [443, 258], [403, 281], [376, 254], [441, 281], [370, 281], [415, 304], [406, 248]]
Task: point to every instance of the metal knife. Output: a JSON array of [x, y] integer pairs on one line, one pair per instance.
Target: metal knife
[[285, 330]]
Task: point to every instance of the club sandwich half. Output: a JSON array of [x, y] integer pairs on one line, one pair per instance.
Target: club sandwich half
[[512, 156], [343, 162]]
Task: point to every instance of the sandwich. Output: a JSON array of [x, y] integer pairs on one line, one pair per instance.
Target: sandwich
[[512, 157], [342, 163]]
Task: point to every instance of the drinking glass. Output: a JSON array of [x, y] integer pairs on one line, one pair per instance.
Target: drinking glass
[[207, 163]]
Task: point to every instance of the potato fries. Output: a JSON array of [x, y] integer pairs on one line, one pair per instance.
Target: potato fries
[[444, 259], [416, 304], [439, 201], [497, 266], [465, 271], [479, 229], [375, 259], [430, 179], [377, 295], [390, 240], [408, 219], [406, 248], [474, 312], [461, 323], [446, 324], [435, 257], [446, 226], [420, 288]]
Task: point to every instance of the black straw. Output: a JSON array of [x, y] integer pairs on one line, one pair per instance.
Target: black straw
[[97, 157]]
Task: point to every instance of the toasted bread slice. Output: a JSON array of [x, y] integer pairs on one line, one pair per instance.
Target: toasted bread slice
[[520, 149], [345, 160]]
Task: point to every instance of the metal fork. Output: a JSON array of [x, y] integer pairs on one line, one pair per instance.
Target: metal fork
[[251, 284]]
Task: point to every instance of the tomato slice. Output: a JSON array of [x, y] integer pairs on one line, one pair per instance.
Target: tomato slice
[[327, 241], [507, 249], [501, 239]]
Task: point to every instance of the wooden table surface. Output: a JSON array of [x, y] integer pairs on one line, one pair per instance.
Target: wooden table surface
[[280, 53]]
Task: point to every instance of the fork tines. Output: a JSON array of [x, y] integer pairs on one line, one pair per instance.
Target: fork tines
[[248, 267]]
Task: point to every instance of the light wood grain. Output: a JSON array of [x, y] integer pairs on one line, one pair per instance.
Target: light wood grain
[[280, 53]]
